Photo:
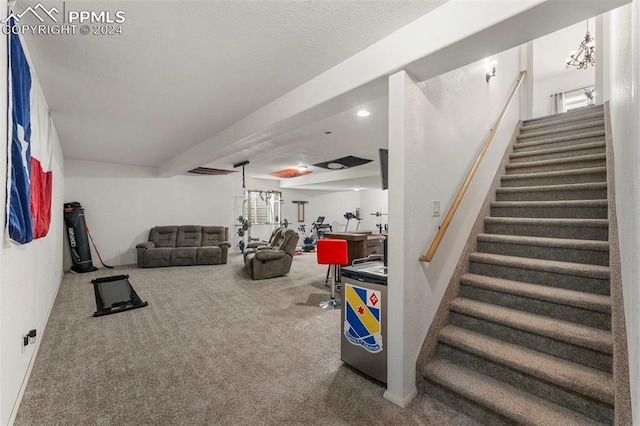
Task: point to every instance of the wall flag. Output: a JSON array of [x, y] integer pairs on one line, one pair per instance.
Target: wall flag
[[31, 136]]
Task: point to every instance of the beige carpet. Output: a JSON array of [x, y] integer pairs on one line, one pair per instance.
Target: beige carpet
[[212, 347]]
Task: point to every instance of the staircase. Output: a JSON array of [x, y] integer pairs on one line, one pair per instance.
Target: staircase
[[528, 339]]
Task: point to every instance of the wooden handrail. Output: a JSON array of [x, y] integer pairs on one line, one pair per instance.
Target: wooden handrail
[[447, 219]]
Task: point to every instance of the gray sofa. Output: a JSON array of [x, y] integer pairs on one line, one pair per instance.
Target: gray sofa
[[274, 259], [184, 245]]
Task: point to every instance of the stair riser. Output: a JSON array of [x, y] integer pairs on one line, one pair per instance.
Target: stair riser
[[592, 257], [559, 395], [463, 405], [522, 147], [539, 168], [583, 194], [595, 212], [558, 133], [529, 127], [554, 155], [539, 307], [552, 279], [596, 176], [551, 231], [565, 116], [557, 348]]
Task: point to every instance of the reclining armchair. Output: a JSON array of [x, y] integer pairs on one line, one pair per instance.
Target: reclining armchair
[[275, 261]]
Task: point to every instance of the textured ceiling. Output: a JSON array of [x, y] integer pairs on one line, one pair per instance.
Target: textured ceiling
[[182, 71]]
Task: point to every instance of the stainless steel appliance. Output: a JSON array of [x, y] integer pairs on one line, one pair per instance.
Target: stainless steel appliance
[[364, 318]]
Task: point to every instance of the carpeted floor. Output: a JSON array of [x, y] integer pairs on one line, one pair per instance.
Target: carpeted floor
[[212, 347]]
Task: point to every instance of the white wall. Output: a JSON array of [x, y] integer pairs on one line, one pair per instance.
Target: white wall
[[123, 202], [333, 206], [623, 54], [572, 79], [435, 131], [30, 275]]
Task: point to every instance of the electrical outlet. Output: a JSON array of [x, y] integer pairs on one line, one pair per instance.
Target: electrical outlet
[[436, 208]]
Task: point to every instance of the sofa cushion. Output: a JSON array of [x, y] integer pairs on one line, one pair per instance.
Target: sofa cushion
[[189, 236], [213, 235], [183, 256], [157, 257], [209, 255], [163, 236]]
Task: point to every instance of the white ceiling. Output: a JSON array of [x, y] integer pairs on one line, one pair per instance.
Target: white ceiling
[[182, 71], [350, 135]]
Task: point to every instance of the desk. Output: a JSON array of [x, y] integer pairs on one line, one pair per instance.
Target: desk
[[359, 244]]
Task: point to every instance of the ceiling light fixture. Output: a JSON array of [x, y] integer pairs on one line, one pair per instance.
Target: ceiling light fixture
[[363, 113], [357, 188], [491, 72], [586, 53], [302, 168], [336, 166]]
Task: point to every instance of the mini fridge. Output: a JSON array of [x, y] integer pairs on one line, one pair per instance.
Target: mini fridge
[[364, 318]]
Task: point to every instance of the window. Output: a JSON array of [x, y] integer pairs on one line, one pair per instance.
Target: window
[[262, 207], [579, 98]]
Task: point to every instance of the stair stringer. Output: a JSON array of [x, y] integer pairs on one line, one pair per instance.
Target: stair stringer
[[441, 318], [623, 413]]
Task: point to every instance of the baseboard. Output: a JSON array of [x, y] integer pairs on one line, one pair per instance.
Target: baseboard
[[399, 400], [23, 387]]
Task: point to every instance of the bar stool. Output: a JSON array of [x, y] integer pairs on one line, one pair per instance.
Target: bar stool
[[333, 253]]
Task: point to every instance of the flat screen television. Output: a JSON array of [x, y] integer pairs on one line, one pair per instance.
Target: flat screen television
[[384, 167]]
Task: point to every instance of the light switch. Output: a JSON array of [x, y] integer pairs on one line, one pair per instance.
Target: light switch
[[436, 208]]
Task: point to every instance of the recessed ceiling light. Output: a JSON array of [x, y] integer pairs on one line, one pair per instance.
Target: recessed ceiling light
[[357, 188], [302, 168], [336, 166], [363, 113]]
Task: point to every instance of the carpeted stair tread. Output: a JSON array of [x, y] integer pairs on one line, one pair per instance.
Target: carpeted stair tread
[[531, 125], [561, 296], [553, 266], [587, 381], [546, 241], [594, 223], [556, 173], [512, 403], [595, 109], [551, 140], [552, 203], [580, 335], [556, 161], [551, 188], [569, 128], [544, 151]]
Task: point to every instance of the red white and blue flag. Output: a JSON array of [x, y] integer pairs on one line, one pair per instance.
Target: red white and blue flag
[[30, 140]]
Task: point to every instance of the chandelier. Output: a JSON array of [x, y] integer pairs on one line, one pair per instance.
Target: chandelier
[[586, 55]]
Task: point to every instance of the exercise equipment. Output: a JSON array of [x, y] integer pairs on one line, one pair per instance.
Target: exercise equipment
[[318, 227], [349, 216], [78, 238], [308, 242], [379, 224], [284, 223], [115, 294]]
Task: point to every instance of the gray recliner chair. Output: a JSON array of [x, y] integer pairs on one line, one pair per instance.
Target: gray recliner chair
[[275, 261]]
